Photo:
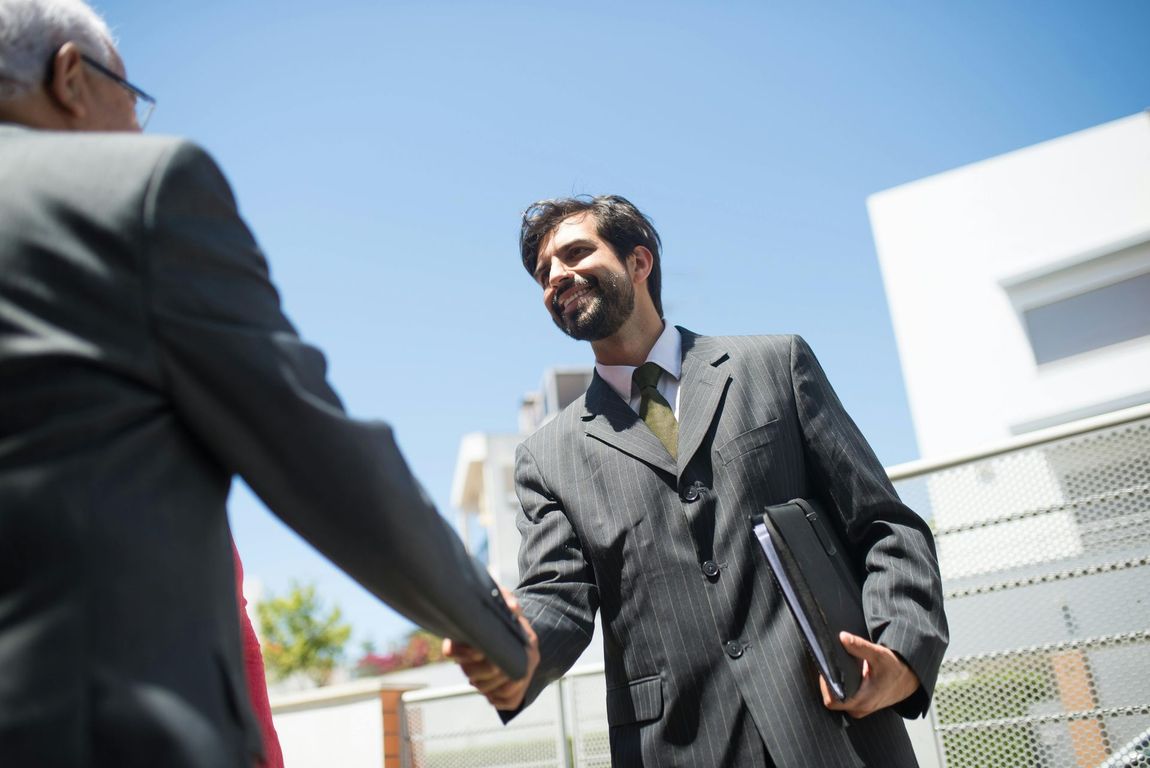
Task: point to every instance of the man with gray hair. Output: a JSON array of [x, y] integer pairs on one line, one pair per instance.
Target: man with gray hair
[[144, 362]]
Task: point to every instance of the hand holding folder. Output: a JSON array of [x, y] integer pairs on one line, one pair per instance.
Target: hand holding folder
[[811, 568]]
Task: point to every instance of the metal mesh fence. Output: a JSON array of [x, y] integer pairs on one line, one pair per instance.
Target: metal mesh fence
[[459, 729], [566, 726], [587, 694], [1045, 557]]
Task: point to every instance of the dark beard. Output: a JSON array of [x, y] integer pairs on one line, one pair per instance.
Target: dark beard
[[611, 303]]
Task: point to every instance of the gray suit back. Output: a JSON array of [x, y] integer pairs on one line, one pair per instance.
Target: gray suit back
[[145, 361]]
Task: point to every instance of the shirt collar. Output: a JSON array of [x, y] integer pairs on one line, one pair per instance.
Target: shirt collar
[[667, 352]]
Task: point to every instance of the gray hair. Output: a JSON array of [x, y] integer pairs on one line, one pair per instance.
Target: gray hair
[[31, 31]]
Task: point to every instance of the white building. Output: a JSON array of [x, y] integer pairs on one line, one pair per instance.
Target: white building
[[1019, 286], [483, 489]]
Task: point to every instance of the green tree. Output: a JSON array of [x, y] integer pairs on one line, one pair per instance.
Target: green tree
[[298, 637]]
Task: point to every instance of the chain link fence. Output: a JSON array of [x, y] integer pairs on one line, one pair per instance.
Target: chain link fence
[[1045, 554]]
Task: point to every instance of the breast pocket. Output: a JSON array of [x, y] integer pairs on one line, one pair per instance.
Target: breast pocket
[[748, 441], [638, 701]]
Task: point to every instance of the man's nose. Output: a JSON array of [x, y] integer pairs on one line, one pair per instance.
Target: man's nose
[[558, 272]]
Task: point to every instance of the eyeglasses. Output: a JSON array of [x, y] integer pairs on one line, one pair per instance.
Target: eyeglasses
[[145, 104]]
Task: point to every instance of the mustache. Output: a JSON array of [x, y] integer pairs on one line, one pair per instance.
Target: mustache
[[573, 282]]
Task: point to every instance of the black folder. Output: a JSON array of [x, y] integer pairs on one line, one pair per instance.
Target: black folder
[[812, 569]]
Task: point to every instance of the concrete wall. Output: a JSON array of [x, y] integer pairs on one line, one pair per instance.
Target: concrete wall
[[353, 725]]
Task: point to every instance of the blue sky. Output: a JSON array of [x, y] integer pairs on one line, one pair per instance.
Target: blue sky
[[382, 153]]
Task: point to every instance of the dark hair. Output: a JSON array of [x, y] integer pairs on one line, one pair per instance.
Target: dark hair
[[617, 221]]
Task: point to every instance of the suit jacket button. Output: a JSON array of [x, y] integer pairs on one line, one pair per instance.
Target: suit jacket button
[[710, 569], [734, 649], [691, 492]]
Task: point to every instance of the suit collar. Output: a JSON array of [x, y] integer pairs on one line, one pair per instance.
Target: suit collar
[[611, 420], [702, 384], [667, 352]]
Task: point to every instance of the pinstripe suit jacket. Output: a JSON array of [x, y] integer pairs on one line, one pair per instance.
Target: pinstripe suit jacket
[[704, 665]]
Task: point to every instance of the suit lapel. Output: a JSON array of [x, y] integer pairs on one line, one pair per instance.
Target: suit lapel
[[611, 420], [702, 385]]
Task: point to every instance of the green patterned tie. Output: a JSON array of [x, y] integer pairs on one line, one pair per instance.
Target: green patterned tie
[[654, 409]]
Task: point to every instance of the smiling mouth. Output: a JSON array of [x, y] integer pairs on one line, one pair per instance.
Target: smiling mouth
[[565, 302]]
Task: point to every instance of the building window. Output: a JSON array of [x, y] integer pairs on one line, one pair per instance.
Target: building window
[[1089, 301], [1090, 320]]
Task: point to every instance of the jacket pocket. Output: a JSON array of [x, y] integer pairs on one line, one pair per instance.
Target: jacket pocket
[[748, 441], [635, 702]]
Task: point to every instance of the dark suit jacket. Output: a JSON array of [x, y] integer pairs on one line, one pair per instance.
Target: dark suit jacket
[[144, 361], [704, 665]]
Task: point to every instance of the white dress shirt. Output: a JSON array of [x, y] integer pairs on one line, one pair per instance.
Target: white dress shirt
[[668, 353]]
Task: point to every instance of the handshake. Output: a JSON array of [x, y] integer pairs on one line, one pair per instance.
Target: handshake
[[487, 677]]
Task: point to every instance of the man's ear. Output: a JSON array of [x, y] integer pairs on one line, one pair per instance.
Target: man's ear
[[640, 262], [68, 82]]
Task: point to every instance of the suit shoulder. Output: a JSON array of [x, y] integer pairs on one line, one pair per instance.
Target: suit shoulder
[[553, 431], [770, 344], [94, 151], [95, 169], [758, 340]]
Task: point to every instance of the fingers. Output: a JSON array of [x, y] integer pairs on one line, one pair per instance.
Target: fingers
[[461, 652], [509, 695], [859, 647], [862, 702], [829, 701], [487, 678], [481, 673], [500, 690], [886, 679], [856, 706], [511, 600]]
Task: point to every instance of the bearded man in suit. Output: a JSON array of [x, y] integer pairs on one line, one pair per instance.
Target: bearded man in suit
[[635, 503], [144, 362]]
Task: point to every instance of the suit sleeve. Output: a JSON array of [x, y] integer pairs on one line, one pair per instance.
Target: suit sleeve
[[893, 546], [557, 585], [256, 395]]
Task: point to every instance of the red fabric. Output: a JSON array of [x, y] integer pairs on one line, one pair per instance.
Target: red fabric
[[254, 669]]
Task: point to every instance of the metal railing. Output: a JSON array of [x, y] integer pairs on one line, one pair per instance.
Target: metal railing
[[456, 727], [1044, 547]]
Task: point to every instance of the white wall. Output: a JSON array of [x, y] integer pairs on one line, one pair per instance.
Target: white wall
[[484, 494], [961, 253], [334, 726], [503, 505]]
